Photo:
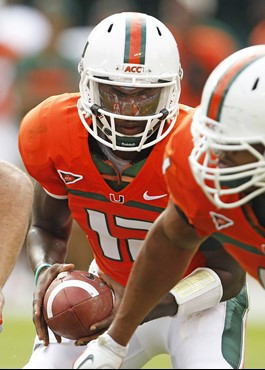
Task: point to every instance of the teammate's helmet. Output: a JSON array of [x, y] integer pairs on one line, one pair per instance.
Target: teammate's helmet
[[138, 54], [231, 118]]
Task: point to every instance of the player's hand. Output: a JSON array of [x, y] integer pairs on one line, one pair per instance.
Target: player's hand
[[166, 307], [2, 302], [45, 278], [101, 326], [102, 353]]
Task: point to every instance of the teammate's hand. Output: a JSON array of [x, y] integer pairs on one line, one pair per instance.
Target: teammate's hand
[[45, 278], [101, 326], [2, 302], [102, 353]]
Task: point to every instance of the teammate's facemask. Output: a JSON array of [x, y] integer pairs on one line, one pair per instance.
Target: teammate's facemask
[[231, 119], [130, 71]]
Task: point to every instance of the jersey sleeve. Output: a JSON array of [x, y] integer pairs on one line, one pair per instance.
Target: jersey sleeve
[[36, 145], [182, 187]]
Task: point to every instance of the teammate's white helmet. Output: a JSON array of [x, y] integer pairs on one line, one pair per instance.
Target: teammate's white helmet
[[231, 118], [137, 52]]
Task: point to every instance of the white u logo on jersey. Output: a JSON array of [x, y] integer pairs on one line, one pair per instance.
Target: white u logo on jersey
[[114, 200]]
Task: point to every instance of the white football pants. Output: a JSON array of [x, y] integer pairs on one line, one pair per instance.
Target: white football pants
[[210, 339]]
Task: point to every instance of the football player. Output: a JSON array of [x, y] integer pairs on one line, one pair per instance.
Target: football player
[[96, 157], [214, 167], [16, 194]]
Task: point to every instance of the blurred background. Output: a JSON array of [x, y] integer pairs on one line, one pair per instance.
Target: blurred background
[[41, 42]]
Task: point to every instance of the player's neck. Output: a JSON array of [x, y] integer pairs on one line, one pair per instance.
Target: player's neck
[[127, 156], [114, 158]]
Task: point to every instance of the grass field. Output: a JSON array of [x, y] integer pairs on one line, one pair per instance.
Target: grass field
[[17, 338]]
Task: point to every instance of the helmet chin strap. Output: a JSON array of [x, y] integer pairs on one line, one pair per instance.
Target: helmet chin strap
[[101, 118], [121, 141]]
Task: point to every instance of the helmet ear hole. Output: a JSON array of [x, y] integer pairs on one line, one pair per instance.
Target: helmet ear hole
[[255, 84], [159, 32], [84, 51], [110, 28]]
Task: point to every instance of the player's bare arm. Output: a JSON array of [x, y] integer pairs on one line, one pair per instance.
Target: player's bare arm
[[171, 239], [47, 248], [232, 278], [16, 192], [231, 275]]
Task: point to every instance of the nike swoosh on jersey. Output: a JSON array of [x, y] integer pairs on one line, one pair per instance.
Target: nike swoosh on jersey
[[153, 197]]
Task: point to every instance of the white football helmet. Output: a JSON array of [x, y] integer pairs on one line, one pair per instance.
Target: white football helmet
[[231, 118], [138, 54]]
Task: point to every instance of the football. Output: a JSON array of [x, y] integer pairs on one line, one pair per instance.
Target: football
[[74, 301]]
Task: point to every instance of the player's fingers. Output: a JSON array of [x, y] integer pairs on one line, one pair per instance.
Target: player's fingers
[[66, 267], [44, 281], [45, 336], [102, 325], [105, 278], [83, 341], [42, 333], [48, 275], [57, 337], [40, 325], [36, 317], [117, 288]]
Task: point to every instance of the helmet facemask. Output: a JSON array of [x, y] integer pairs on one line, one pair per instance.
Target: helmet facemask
[[210, 143], [153, 105]]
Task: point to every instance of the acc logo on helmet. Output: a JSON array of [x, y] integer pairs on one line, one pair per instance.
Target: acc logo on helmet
[[134, 69]]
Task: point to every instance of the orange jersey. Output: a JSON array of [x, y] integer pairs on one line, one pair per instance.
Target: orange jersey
[[54, 147], [237, 229]]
